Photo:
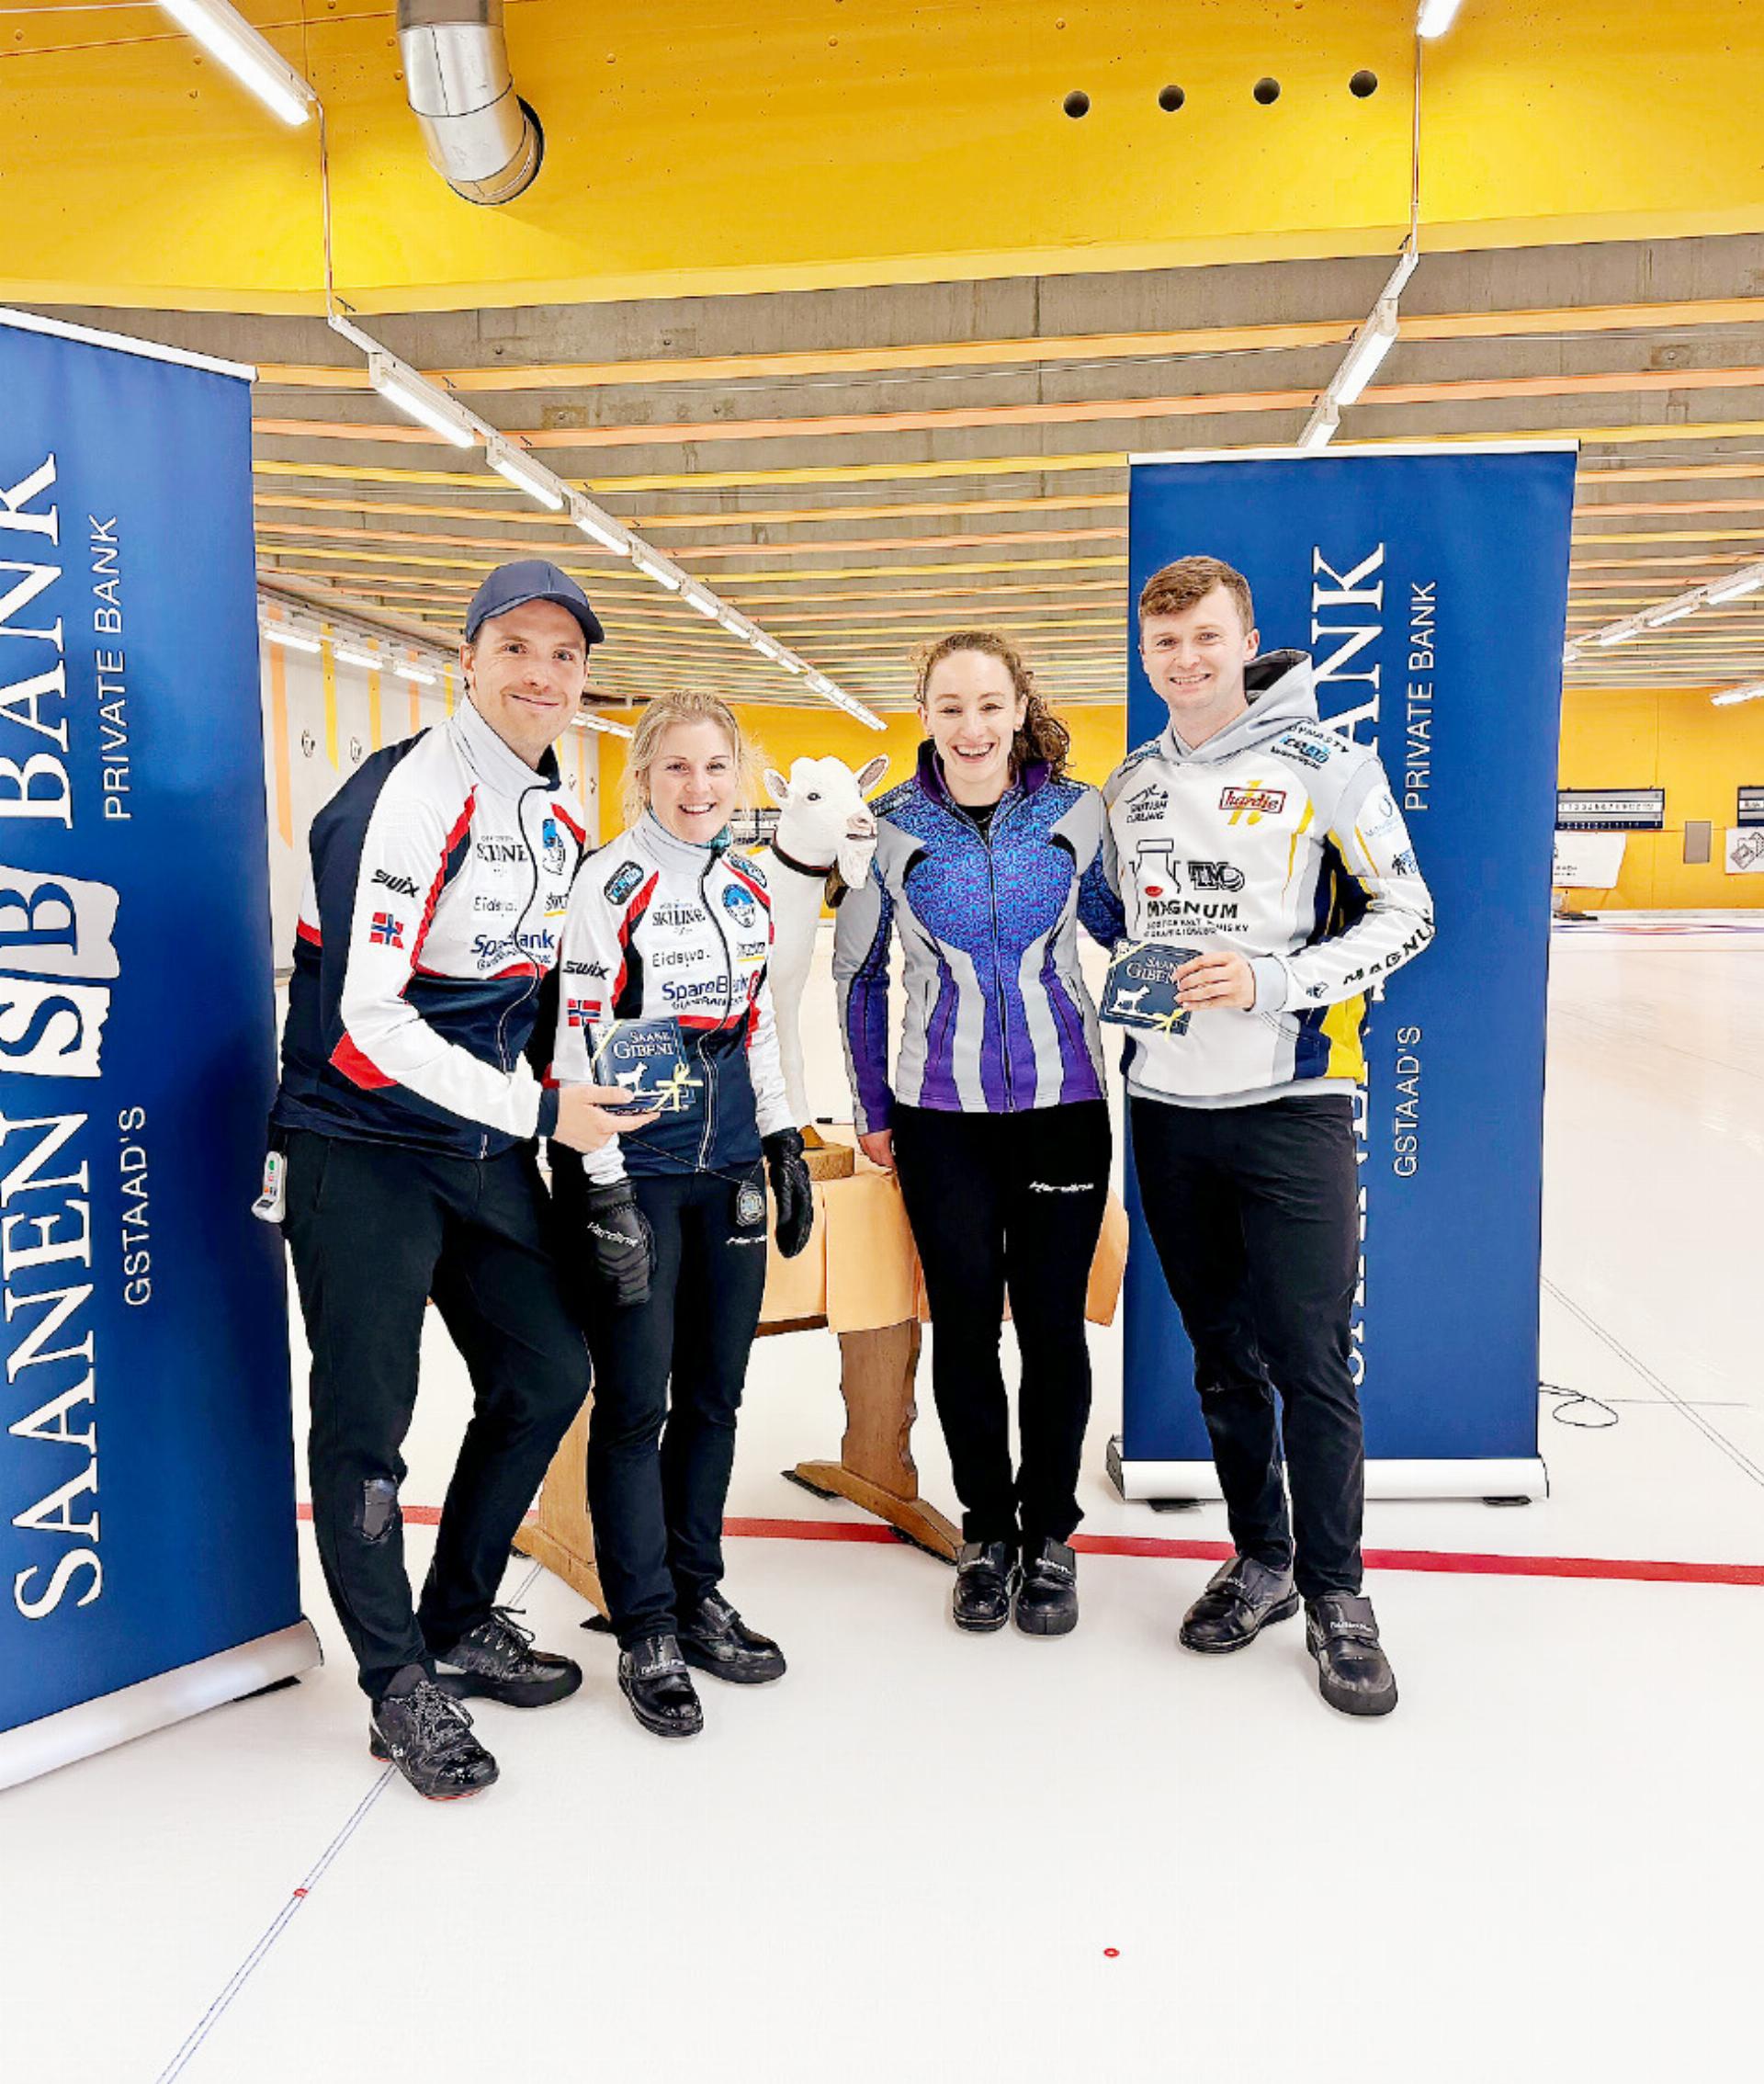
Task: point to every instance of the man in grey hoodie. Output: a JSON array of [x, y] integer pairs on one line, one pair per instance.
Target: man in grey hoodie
[[1274, 848]]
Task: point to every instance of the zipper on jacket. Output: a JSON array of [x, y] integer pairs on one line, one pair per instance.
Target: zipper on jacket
[[521, 920], [998, 967], [728, 996]]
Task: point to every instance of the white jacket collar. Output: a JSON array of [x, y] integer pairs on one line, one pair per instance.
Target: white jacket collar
[[493, 758]]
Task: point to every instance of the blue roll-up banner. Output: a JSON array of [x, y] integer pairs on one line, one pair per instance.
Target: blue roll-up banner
[[147, 1547], [1429, 584]]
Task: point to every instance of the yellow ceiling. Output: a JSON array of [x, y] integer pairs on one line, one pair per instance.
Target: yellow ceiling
[[714, 145]]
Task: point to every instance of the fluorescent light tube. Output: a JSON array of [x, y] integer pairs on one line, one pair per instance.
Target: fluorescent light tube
[[525, 475], [417, 674], [357, 658], [652, 568], [606, 724], [791, 664], [1367, 349], [1614, 633], [600, 527], [418, 400], [278, 633], [1673, 611], [1747, 580], [1320, 428], [1436, 17], [1747, 694], [252, 59], [706, 604]]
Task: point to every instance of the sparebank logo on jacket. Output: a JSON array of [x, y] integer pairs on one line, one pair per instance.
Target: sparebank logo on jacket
[[406, 1019], [1280, 839]]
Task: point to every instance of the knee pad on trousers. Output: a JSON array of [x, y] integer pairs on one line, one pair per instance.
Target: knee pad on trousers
[[377, 1511]]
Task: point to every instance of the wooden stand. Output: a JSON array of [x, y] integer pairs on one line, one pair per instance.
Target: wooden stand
[[876, 1468]]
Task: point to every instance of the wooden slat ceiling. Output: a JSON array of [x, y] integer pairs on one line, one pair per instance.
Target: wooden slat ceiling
[[868, 478]]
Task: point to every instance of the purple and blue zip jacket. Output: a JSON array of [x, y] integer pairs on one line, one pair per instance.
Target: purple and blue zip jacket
[[997, 1016]]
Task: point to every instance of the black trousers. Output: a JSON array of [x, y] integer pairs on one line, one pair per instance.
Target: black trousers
[[1255, 1216], [659, 1463], [1008, 1204], [374, 1231]]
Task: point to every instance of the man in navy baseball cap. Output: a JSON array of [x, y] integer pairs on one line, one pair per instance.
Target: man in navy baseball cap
[[531, 579]]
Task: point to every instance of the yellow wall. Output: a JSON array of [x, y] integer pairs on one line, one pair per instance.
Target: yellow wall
[[1674, 739], [718, 145]]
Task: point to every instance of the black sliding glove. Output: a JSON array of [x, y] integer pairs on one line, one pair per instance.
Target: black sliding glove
[[621, 1247], [790, 1189]]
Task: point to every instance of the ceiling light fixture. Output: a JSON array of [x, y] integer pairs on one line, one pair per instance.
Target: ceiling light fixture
[[1436, 17], [525, 472], [652, 567], [1673, 611], [418, 400], [224, 33], [1370, 343], [707, 604], [606, 724], [600, 526], [1746, 581], [279, 633], [1749, 693]]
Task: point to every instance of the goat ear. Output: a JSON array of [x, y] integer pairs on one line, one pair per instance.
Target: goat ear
[[870, 773], [776, 788]]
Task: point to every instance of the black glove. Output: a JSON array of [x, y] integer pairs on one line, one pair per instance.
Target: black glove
[[790, 1189], [621, 1246]]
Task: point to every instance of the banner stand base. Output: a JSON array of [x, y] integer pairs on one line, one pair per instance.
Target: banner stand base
[[1515, 1480], [36, 1747]]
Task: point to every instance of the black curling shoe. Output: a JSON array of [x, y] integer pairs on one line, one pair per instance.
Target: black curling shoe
[[1047, 1602], [428, 1737], [713, 1638], [1241, 1599], [653, 1676], [497, 1661], [1353, 1672], [985, 1573]]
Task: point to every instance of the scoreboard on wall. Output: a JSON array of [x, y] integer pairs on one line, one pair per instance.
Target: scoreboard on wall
[[1610, 810]]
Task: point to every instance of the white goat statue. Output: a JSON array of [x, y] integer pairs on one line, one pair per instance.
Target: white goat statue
[[823, 825]]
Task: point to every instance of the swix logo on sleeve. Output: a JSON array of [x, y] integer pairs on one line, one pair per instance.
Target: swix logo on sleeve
[[386, 931], [399, 886]]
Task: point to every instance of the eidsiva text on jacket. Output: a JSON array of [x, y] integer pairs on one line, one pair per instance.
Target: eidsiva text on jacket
[[438, 882], [660, 928], [1282, 839], [997, 1015]]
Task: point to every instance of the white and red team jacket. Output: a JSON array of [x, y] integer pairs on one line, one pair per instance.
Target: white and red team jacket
[[439, 877], [662, 928], [1280, 838]]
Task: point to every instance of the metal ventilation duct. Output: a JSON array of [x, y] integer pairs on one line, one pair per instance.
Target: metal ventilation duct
[[482, 138]]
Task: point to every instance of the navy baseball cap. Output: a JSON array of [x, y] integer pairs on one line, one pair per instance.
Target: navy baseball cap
[[531, 579]]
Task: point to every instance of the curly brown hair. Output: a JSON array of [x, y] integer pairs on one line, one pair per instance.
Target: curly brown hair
[[1040, 736]]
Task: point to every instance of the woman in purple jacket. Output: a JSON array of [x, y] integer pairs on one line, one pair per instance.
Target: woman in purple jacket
[[995, 1116]]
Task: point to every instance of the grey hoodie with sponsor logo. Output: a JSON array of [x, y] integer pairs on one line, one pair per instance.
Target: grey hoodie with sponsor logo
[[1282, 839]]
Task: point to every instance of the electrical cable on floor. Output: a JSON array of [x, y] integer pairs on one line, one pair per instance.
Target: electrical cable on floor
[[1574, 1401]]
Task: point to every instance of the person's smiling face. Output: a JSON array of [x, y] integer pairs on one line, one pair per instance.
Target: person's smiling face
[[973, 712], [527, 672], [1195, 659], [693, 780]]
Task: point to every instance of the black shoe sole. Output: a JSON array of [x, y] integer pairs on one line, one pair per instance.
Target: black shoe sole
[[701, 1660], [972, 1626], [378, 1752], [520, 1693], [1283, 1612], [1345, 1701], [654, 1724]]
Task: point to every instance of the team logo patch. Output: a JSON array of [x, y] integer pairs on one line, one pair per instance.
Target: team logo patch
[[1215, 876], [740, 902], [1308, 752], [623, 880], [1258, 802], [555, 854], [1148, 806], [387, 932], [1406, 863], [752, 867], [1382, 815]]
